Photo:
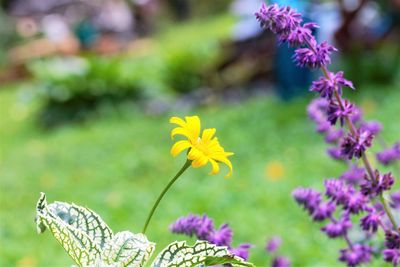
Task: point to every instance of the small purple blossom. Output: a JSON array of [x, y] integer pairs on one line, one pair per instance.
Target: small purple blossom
[[389, 155], [338, 228], [370, 222], [354, 175], [308, 198], [278, 20], [241, 251], [339, 112], [355, 202], [392, 255], [221, 237], [392, 240], [324, 211], [374, 187], [373, 127], [395, 199], [200, 226], [273, 244], [326, 87], [335, 153], [337, 190], [315, 57], [280, 261], [355, 145], [300, 35], [356, 255], [333, 135]]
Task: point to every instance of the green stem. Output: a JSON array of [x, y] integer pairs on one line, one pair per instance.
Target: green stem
[[182, 170]]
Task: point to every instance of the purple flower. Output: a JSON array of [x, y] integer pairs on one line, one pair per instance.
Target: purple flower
[[221, 237], [280, 261], [392, 255], [278, 20], [339, 112], [374, 187], [355, 145], [315, 57], [370, 222], [337, 190], [200, 226], [356, 255], [355, 202], [389, 155], [354, 175], [392, 240], [395, 199], [333, 135], [335, 153], [241, 251], [373, 127], [324, 211], [299, 36], [337, 228], [307, 197], [273, 244], [326, 87]]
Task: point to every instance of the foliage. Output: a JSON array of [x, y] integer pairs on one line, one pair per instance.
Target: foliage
[[90, 242]]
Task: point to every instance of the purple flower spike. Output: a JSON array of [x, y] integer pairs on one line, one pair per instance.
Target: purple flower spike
[[241, 251], [355, 146], [392, 255], [356, 255], [191, 225], [339, 112], [308, 198], [389, 155], [337, 228], [315, 57], [326, 87], [280, 261], [354, 175], [273, 244], [222, 237], [374, 187], [278, 20]]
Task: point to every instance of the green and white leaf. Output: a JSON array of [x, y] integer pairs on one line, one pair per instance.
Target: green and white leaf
[[80, 231], [128, 249], [200, 254]]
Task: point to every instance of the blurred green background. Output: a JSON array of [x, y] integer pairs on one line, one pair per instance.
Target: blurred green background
[[91, 127]]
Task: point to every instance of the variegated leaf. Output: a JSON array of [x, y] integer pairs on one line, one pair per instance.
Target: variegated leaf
[[80, 231], [201, 254], [128, 250]]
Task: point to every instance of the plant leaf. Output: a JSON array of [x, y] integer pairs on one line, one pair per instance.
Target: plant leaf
[[200, 254], [80, 231], [128, 249]]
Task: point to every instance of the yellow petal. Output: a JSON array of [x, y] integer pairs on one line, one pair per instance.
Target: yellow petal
[[178, 121], [179, 146], [181, 131], [199, 162], [225, 160], [208, 134], [193, 126], [215, 167]]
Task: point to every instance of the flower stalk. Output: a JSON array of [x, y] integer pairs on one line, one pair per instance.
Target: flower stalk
[[160, 197]]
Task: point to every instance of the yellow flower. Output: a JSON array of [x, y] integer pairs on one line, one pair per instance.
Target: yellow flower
[[202, 149]]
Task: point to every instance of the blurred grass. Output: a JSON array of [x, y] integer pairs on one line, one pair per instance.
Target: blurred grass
[[118, 164]]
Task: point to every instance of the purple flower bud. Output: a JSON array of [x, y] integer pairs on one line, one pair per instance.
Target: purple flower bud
[[326, 87], [337, 190], [333, 135], [370, 222], [335, 153], [355, 145], [278, 20], [389, 155], [356, 255], [302, 35], [323, 211], [392, 240], [355, 202], [374, 187], [315, 57], [392, 255], [221, 237], [354, 175], [273, 244], [307, 197], [339, 112], [280, 261], [373, 127], [337, 228], [241, 251]]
